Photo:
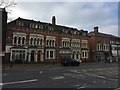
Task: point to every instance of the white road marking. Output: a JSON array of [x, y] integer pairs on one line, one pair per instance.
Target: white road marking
[[82, 87], [18, 82], [100, 77], [40, 71], [1, 84], [60, 77], [117, 89]]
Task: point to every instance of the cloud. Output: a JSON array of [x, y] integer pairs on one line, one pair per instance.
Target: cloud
[[81, 15], [113, 29]]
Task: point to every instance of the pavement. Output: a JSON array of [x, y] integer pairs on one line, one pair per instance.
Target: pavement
[[28, 66]]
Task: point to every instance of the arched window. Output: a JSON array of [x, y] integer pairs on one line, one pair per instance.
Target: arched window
[[31, 40], [47, 42], [50, 42], [41, 42], [38, 41], [15, 40], [19, 40], [63, 43], [34, 41], [53, 42], [23, 40]]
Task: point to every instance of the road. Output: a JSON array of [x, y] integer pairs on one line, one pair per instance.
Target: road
[[91, 75]]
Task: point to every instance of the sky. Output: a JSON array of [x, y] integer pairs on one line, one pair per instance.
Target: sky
[[80, 15]]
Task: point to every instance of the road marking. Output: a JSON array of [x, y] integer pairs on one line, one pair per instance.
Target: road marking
[[40, 71], [82, 87], [60, 77], [117, 89], [1, 84], [18, 82], [101, 69], [101, 77]]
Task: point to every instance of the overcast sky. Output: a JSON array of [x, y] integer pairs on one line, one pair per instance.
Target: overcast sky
[[80, 15]]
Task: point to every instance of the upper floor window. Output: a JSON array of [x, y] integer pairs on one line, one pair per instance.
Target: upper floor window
[[41, 41], [38, 41], [19, 40], [31, 41], [65, 43], [34, 41], [50, 42], [50, 28], [99, 47], [84, 44], [20, 23], [15, 40], [23, 40]]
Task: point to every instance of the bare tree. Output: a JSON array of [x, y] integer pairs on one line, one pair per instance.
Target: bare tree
[[7, 4]]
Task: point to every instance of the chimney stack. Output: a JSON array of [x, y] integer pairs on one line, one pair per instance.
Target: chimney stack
[[53, 21], [95, 29]]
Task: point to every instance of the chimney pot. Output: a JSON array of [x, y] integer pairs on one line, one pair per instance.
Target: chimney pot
[[53, 20], [95, 29]]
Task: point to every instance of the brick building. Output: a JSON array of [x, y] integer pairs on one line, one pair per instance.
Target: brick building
[[35, 41], [101, 46]]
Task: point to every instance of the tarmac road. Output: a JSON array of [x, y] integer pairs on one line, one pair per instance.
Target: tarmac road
[[88, 75]]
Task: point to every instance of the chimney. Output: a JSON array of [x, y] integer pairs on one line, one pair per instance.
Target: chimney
[[53, 20], [95, 29]]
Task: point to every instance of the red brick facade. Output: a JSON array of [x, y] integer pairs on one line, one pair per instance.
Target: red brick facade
[[35, 41]]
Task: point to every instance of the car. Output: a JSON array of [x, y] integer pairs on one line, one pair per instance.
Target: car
[[69, 62]]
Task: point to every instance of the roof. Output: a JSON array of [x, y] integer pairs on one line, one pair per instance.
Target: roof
[[102, 34], [58, 28]]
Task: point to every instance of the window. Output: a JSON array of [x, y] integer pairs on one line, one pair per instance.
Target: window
[[23, 40], [47, 42], [38, 41], [84, 54], [104, 47], [19, 40], [52, 42], [51, 54], [41, 41], [35, 41], [47, 54], [62, 43], [73, 56], [15, 40], [20, 23], [77, 56], [31, 40]]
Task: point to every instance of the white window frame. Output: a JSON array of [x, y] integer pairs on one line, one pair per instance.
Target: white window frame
[[49, 54]]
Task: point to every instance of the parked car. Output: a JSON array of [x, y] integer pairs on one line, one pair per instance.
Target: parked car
[[69, 62]]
